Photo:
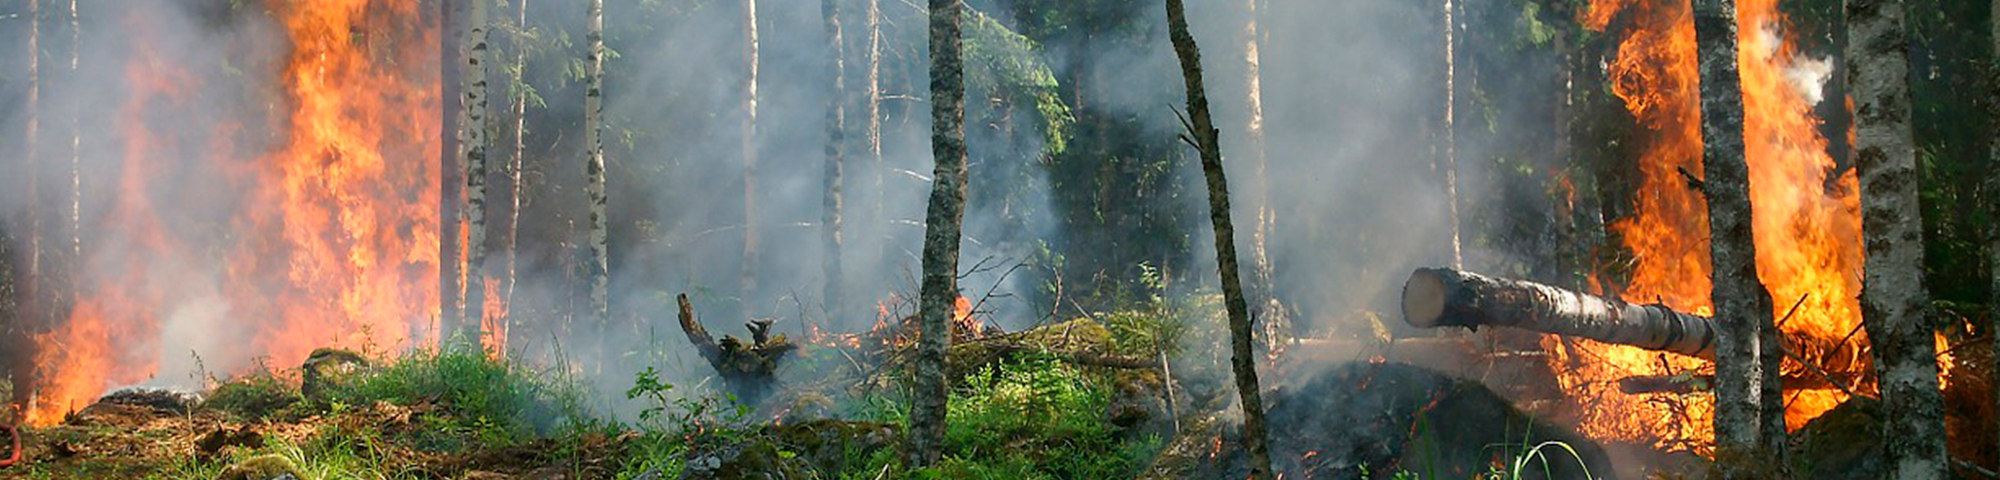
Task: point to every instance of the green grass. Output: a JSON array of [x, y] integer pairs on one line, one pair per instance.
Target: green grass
[[491, 402]]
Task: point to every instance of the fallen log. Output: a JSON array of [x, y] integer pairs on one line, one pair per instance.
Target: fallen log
[[1439, 297]]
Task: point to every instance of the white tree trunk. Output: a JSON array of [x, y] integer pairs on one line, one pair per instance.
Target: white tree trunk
[[515, 163], [1893, 297], [474, 151], [836, 138], [598, 267], [747, 284]]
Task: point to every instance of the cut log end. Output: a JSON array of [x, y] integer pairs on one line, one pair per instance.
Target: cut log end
[[1424, 299]]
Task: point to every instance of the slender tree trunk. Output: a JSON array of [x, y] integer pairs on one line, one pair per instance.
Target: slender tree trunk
[[748, 282], [1893, 298], [1742, 305], [31, 294], [73, 213], [474, 151], [939, 292], [1205, 137], [880, 217], [1451, 131], [1263, 279], [836, 138], [1993, 206], [515, 162], [452, 177], [599, 265]]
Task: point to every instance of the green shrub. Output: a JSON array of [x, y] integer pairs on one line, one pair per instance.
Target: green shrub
[[252, 397], [491, 402]]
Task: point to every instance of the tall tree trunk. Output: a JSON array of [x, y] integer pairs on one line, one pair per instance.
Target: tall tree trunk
[[31, 294], [938, 295], [880, 219], [747, 284], [1745, 394], [474, 151], [599, 266], [73, 207], [1893, 296], [1993, 206], [1243, 360], [515, 161], [452, 174], [836, 138], [1263, 278], [1451, 131]]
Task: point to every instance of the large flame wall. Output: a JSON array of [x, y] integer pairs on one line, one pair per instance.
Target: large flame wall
[[1807, 234], [330, 234]]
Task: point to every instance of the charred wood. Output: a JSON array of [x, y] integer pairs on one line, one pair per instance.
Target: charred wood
[[748, 368]]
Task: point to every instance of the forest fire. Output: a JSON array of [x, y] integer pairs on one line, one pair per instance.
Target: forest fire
[[331, 242], [1808, 236]]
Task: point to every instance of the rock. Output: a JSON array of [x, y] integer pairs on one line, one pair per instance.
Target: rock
[[162, 400], [759, 459], [481, 475], [262, 467], [826, 444], [1842, 443], [325, 368]]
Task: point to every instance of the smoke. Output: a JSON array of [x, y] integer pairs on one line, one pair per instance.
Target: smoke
[[1352, 95]]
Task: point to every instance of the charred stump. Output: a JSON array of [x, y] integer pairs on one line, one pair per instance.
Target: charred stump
[[749, 369]]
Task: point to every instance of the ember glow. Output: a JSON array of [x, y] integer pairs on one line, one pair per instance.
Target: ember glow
[[1807, 234], [332, 241]]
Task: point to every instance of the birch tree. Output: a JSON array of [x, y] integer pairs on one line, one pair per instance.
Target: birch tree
[[874, 128], [1745, 353], [1263, 278], [515, 162], [474, 157], [1450, 158], [1242, 360], [942, 223], [1893, 296], [598, 267], [836, 137], [32, 111], [747, 284]]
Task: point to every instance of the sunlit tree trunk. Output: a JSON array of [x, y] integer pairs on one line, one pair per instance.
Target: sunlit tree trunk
[[73, 211], [748, 282], [939, 292], [1450, 166], [1263, 280], [598, 267], [880, 219], [1742, 305], [1242, 359], [515, 161], [1893, 297], [474, 151], [452, 177], [836, 137]]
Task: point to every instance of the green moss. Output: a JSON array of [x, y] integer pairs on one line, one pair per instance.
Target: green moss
[[252, 397]]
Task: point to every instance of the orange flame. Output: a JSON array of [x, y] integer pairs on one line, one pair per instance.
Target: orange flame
[[335, 242], [1807, 237]]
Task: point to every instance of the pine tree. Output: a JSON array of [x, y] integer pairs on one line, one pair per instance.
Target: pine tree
[[598, 267], [1745, 383], [939, 292], [1243, 360], [1893, 296]]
